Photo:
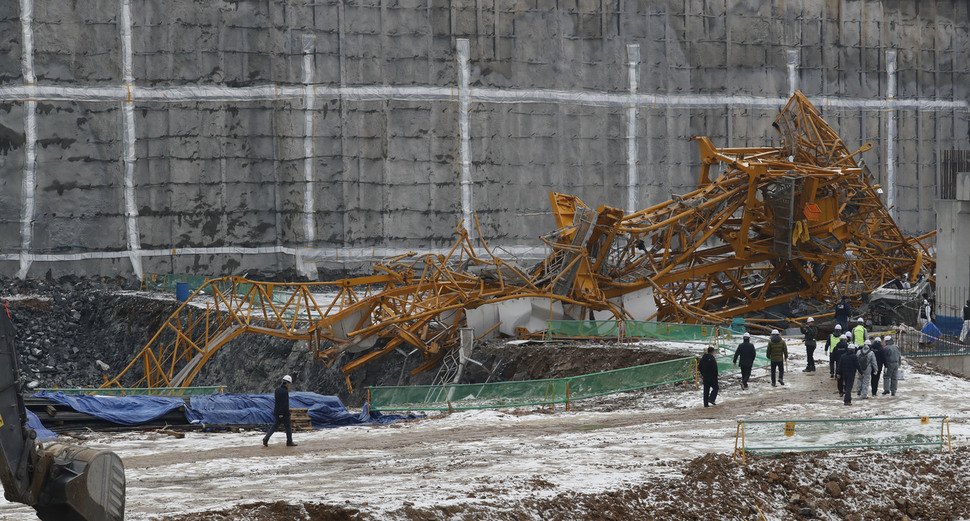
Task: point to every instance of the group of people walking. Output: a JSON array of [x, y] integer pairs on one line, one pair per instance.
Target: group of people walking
[[856, 362]]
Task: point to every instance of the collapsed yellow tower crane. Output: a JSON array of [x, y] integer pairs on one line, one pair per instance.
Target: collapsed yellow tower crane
[[763, 226]]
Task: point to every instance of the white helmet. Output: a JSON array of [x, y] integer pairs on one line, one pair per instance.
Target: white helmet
[[746, 335], [861, 321], [838, 326], [810, 320], [774, 331], [288, 379]]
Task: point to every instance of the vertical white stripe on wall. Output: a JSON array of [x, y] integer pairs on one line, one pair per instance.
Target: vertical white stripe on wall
[[891, 134], [28, 184], [792, 72], [128, 142], [632, 115], [464, 105], [309, 204]]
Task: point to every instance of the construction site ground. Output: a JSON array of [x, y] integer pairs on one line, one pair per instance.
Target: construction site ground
[[653, 454]]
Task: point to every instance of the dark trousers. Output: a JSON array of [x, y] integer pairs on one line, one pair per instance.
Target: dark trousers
[[831, 365], [875, 380], [781, 371], [745, 373], [810, 354], [710, 392], [847, 381], [285, 421]]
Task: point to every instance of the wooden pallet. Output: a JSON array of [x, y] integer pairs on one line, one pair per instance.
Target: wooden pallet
[[300, 419]]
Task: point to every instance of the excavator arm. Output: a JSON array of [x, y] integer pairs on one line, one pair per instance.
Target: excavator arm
[[61, 482]]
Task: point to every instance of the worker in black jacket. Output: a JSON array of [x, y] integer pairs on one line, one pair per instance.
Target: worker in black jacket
[[811, 331], [843, 308], [848, 367], [708, 370], [747, 354], [281, 412]]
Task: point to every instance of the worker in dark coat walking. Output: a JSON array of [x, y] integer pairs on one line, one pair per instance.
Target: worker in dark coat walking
[[843, 308], [880, 362], [708, 369], [811, 331], [777, 353], [281, 413], [848, 367], [747, 354], [840, 348]]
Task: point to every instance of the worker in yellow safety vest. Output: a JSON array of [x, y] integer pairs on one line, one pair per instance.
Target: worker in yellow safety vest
[[833, 341], [859, 333]]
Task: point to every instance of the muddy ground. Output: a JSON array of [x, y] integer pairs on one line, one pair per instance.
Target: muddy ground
[[653, 454]]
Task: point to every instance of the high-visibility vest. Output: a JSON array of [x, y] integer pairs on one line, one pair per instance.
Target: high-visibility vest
[[834, 339], [860, 334]]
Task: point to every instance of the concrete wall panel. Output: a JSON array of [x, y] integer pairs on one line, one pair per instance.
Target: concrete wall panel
[[385, 173]]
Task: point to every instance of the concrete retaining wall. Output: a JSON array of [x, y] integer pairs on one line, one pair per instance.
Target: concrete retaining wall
[[218, 137]]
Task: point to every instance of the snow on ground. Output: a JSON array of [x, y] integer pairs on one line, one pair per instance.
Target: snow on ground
[[498, 456]]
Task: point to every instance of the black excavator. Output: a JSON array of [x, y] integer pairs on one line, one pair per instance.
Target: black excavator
[[61, 482]]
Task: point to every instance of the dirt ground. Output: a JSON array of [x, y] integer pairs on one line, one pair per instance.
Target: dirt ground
[[653, 454]]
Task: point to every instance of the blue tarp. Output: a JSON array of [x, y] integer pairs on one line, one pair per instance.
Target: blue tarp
[[123, 410], [931, 333], [218, 409], [325, 411], [43, 433]]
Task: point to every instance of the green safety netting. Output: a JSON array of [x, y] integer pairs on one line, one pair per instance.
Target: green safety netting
[[776, 436], [168, 281], [542, 392], [634, 329], [127, 391]]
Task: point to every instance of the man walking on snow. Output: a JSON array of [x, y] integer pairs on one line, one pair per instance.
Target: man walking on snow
[[811, 331], [880, 362], [708, 369], [866, 362], [747, 354], [848, 367], [859, 333], [891, 353], [777, 352], [834, 339], [281, 412]]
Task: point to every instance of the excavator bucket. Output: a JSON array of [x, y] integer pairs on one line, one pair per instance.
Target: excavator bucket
[[61, 482], [83, 485]]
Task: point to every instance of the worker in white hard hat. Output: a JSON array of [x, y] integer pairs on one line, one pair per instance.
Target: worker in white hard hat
[[925, 313], [810, 331], [830, 348], [777, 353], [841, 346], [281, 412], [859, 333]]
